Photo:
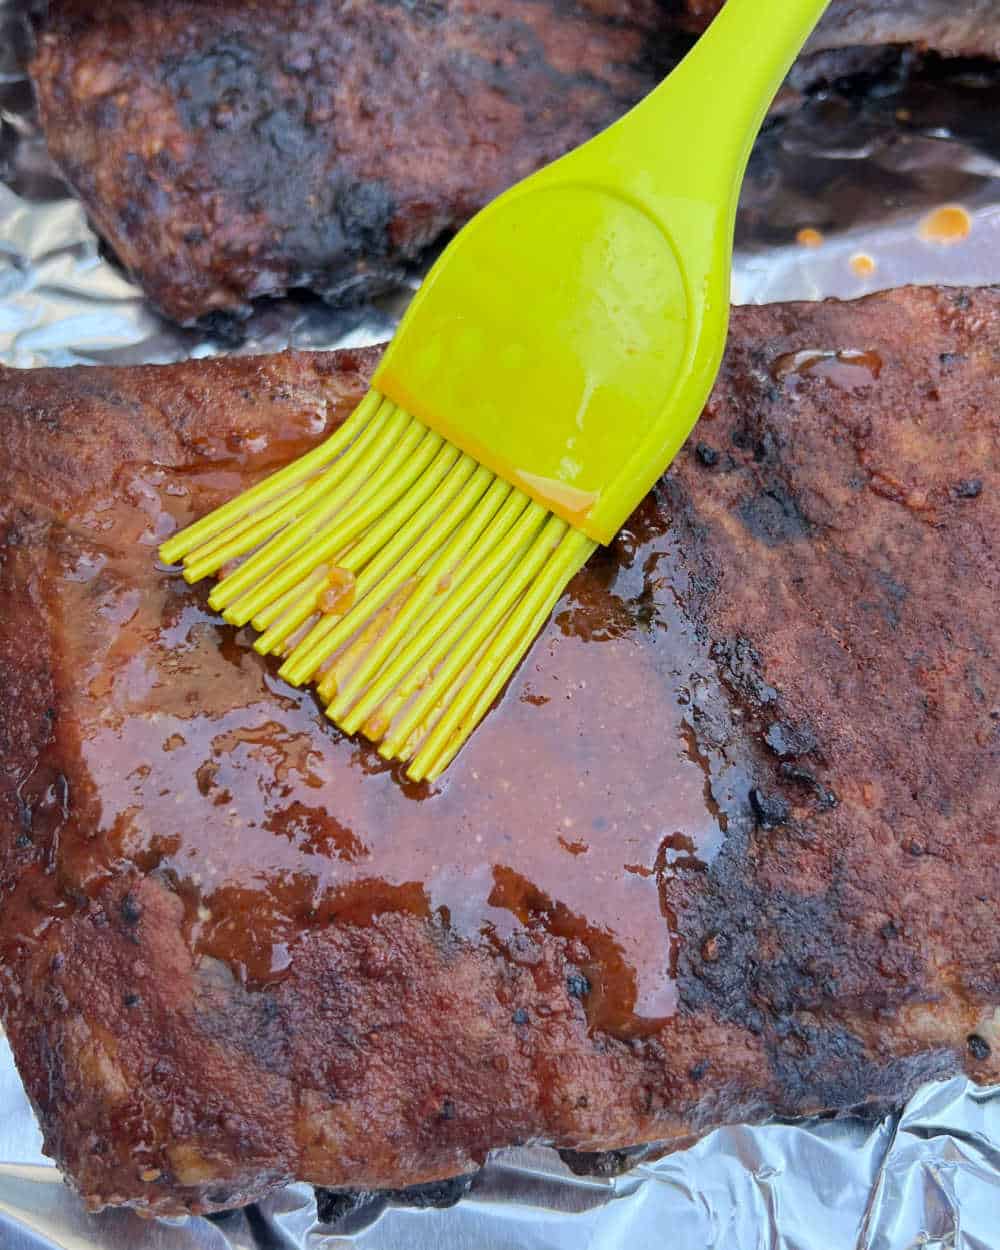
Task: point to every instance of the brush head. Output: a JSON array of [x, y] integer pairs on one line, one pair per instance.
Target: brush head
[[544, 376], [393, 571]]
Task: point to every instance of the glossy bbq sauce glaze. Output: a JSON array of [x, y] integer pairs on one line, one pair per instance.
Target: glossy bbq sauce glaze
[[583, 795]]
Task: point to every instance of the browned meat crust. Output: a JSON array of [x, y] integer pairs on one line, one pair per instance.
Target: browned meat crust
[[237, 149], [727, 848]]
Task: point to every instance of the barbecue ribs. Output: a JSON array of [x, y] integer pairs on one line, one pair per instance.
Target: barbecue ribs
[[726, 848], [242, 148]]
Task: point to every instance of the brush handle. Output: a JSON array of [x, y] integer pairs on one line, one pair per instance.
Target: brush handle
[[681, 153], [569, 336], [722, 90]]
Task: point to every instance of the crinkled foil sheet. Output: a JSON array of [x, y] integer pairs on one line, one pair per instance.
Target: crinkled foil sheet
[[865, 173]]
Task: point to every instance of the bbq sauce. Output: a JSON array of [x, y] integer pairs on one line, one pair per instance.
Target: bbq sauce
[[950, 223], [571, 816], [848, 369]]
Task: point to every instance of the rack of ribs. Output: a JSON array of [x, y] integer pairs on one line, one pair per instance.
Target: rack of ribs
[[248, 147], [726, 847]]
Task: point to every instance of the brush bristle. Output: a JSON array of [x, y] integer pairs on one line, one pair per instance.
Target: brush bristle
[[401, 577]]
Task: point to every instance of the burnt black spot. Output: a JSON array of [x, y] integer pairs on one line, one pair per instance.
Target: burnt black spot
[[212, 83], [765, 448], [773, 517], [131, 911], [337, 1207], [786, 961], [132, 1000], [971, 488], [227, 329], [771, 810], [741, 438], [520, 1016], [699, 1070], [979, 1047], [788, 741], [270, 148], [707, 456], [949, 359], [740, 668], [365, 210], [800, 776]]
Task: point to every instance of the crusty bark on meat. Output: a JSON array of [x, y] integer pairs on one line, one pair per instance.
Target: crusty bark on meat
[[239, 149], [727, 847]]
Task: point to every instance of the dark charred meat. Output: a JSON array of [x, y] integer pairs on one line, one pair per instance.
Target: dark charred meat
[[238, 149], [726, 848], [242, 148]]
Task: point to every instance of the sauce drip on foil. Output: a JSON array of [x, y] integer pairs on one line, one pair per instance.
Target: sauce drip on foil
[[576, 803], [863, 265], [950, 223]]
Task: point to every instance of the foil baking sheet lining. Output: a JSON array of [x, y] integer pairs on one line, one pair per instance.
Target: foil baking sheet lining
[[865, 172]]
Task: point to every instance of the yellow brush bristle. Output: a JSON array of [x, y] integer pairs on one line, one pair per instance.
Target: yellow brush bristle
[[393, 571]]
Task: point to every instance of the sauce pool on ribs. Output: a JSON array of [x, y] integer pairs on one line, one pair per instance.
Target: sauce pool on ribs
[[726, 848]]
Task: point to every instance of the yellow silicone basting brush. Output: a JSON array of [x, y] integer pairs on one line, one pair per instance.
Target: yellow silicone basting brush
[[544, 376]]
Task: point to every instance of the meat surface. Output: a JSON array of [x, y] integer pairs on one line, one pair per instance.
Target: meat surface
[[239, 149], [726, 848], [242, 148]]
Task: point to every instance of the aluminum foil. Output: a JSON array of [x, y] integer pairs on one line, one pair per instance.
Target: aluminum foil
[[865, 173]]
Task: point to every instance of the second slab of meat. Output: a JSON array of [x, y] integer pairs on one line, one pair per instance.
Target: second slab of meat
[[241, 149]]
